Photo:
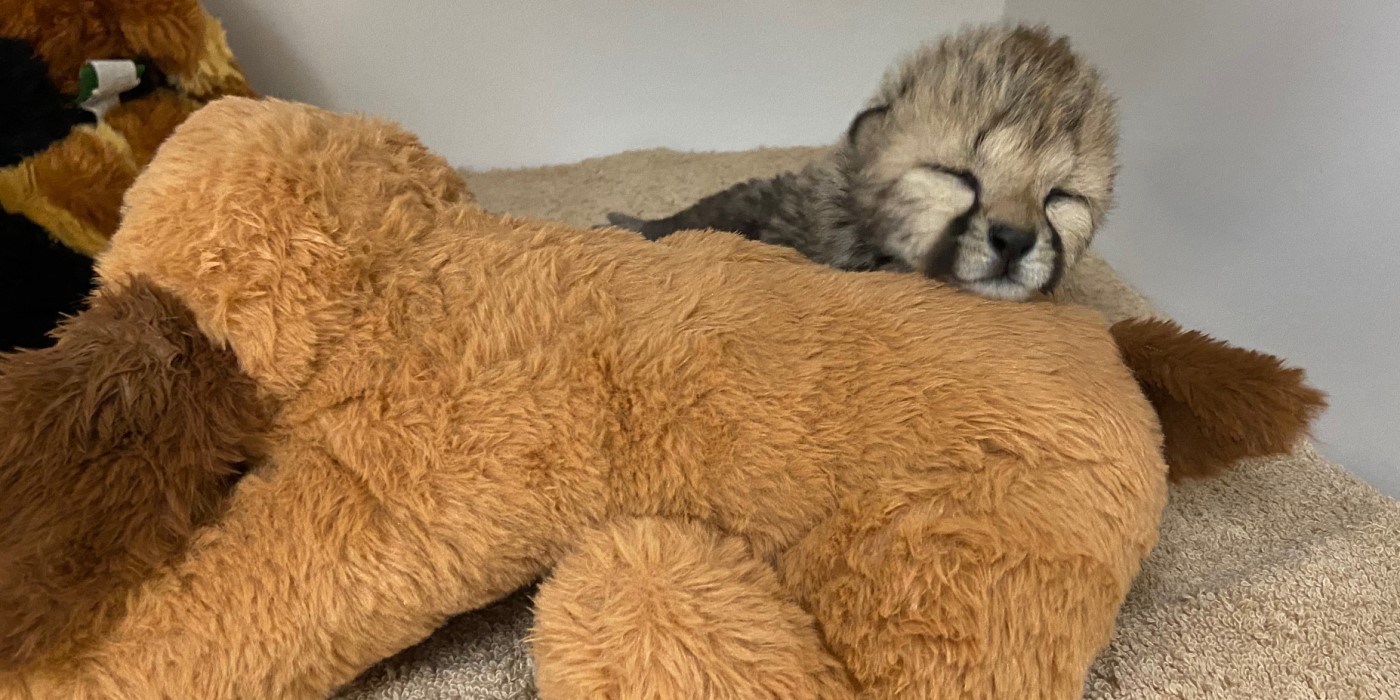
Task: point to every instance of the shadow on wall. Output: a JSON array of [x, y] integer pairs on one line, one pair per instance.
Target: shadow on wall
[[265, 49]]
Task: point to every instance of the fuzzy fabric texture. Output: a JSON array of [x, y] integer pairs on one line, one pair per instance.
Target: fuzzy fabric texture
[[459, 402], [1280, 579], [614, 604], [168, 419], [60, 168], [1218, 404]]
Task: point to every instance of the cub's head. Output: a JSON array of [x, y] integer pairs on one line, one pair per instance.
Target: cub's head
[[986, 160]]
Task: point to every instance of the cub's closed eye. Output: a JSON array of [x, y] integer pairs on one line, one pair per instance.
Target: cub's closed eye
[[1070, 218], [1058, 194], [967, 178]]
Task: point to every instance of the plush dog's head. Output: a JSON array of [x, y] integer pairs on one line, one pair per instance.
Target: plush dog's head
[[986, 160], [115, 444]]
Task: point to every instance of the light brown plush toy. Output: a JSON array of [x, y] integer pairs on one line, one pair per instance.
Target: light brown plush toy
[[864, 486]]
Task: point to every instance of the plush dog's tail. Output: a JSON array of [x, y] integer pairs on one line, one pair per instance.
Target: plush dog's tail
[[115, 444], [1217, 403]]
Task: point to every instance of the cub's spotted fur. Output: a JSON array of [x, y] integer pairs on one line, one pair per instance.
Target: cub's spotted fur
[[986, 160]]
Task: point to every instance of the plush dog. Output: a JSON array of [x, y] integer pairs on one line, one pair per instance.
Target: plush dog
[[866, 485]]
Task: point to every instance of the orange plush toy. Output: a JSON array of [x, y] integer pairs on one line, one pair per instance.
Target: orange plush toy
[[865, 486], [88, 90]]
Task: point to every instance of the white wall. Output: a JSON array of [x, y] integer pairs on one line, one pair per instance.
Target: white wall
[[525, 82], [1260, 196]]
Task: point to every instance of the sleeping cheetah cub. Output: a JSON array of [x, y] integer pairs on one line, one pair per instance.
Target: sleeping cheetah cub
[[985, 160]]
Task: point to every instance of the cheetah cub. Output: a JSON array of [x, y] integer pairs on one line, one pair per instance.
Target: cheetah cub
[[985, 160]]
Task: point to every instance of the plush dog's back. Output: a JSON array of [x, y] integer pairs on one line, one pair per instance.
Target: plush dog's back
[[701, 362], [430, 348]]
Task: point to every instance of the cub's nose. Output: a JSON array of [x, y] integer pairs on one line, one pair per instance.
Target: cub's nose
[[1010, 243]]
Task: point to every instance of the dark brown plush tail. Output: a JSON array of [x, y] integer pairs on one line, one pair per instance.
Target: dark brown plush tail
[[115, 444], [1217, 403]]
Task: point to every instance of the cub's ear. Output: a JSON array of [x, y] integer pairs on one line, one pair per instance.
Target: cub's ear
[[864, 126], [1217, 403], [115, 444]]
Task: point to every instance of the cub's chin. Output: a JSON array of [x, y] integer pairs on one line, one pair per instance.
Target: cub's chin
[[988, 276], [969, 263], [1000, 288]]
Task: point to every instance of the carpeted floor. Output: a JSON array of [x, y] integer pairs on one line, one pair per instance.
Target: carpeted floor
[[1281, 580]]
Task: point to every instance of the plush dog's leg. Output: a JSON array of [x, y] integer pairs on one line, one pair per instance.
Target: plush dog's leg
[[924, 595], [1217, 403], [309, 579], [115, 445], [651, 608]]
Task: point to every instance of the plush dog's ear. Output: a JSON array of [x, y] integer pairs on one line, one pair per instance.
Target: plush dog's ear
[[1217, 403], [115, 444]]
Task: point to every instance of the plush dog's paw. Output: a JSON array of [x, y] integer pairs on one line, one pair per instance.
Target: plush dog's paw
[[648, 607]]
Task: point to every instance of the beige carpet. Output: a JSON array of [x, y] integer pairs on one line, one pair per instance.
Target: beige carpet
[[1281, 580]]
